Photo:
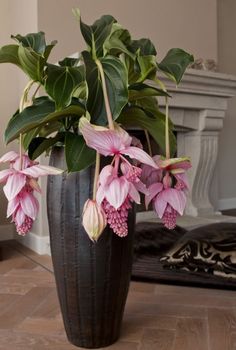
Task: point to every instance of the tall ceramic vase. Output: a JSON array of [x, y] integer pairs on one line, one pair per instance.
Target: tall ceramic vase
[[92, 279]]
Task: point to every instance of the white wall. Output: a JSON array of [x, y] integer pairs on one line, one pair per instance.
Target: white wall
[[189, 24]]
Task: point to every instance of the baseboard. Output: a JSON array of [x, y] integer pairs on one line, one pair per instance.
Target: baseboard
[[227, 203], [7, 232], [39, 244]]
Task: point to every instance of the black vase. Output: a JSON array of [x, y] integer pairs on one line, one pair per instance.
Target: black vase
[[92, 278]]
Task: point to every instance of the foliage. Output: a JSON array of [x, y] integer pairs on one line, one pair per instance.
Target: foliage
[[73, 88]]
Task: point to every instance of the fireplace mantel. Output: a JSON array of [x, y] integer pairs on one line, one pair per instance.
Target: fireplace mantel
[[197, 109]]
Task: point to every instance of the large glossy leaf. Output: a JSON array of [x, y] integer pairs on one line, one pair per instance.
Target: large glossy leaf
[[78, 155], [141, 90], [39, 114], [69, 62], [32, 53], [155, 125], [117, 86], [62, 82], [34, 40], [95, 34], [9, 54], [29, 136], [147, 67], [39, 145], [144, 46], [118, 41], [175, 63], [32, 63]]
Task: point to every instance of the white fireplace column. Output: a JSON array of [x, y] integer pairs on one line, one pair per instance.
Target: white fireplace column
[[197, 109]]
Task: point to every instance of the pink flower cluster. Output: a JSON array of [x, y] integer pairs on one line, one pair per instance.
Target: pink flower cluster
[[167, 187], [120, 183], [20, 182]]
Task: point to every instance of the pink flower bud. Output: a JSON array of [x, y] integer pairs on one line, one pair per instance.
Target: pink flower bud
[[94, 219]]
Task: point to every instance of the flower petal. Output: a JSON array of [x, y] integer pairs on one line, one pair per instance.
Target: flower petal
[[41, 170], [30, 205], [117, 191], [141, 187], [153, 190], [106, 142], [176, 198], [12, 206], [183, 178], [4, 174], [14, 185], [19, 217], [105, 175], [160, 206], [9, 157], [100, 195], [134, 194], [139, 154]]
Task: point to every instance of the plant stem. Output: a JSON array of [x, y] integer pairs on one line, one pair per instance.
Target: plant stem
[[105, 94], [96, 175], [23, 100], [148, 142], [36, 90], [167, 130]]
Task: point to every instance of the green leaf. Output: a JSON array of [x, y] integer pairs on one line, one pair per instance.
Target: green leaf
[[155, 125], [9, 54], [40, 113], [32, 63], [118, 41], [30, 55], [117, 87], [62, 82], [29, 137], [36, 41], [140, 90], [49, 128], [41, 144], [144, 46], [175, 63], [49, 49], [78, 155], [96, 34], [147, 67], [69, 62]]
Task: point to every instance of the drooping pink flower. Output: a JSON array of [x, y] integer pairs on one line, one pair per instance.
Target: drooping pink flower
[[20, 182], [167, 188], [23, 209], [119, 183]]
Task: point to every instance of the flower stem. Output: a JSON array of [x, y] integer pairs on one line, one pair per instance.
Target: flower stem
[[96, 175], [105, 94], [148, 142], [167, 130]]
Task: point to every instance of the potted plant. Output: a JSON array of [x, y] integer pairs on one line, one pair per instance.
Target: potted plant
[[81, 119]]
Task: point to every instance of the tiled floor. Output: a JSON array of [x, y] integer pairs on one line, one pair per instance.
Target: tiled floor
[[157, 317]]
